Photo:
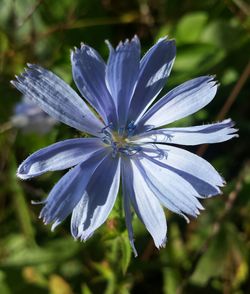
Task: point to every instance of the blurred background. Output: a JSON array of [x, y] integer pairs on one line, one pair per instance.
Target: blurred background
[[209, 255]]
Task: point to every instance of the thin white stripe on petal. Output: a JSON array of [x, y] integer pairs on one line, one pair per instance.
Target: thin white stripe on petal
[[187, 162], [68, 191], [180, 102], [58, 99], [155, 68], [98, 199], [146, 205], [172, 190], [89, 75], [58, 156], [195, 135]]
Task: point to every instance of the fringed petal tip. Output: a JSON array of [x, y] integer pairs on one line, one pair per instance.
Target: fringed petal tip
[[33, 69], [219, 193], [75, 239], [109, 45], [134, 41], [194, 215], [162, 243], [14, 83], [229, 125], [169, 41], [85, 236], [185, 217], [35, 202], [81, 236], [77, 50], [163, 39], [20, 173], [211, 80], [133, 248], [20, 177], [221, 184], [23, 176], [55, 224]]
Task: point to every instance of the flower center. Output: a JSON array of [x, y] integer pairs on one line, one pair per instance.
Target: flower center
[[119, 140]]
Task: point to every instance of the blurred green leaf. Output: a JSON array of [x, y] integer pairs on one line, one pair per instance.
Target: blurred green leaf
[[108, 275], [34, 276], [4, 42], [197, 58], [58, 285], [4, 289], [21, 208], [86, 290], [171, 280], [125, 251], [190, 27], [18, 254], [212, 262], [212, 38], [225, 247], [229, 76], [223, 34], [5, 11]]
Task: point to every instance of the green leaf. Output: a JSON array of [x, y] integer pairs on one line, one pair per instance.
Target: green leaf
[[4, 42], [229, 77], [125, 252], [171, 280], [58, 285], [86, 290], [106, 274], [223, 34], [212, 263], [197, 58], [5, 11], [18, 254], [226, 249], [4, 289], [163, 32], [21, 207], [190, 27]]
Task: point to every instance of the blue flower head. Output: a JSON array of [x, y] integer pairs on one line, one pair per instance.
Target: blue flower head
[[31, 118], [130, 145]]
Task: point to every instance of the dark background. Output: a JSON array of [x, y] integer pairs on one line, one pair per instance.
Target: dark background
[[209, 255]]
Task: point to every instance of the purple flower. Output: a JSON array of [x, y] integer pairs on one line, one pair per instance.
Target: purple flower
[[129, 143], [31, 118]]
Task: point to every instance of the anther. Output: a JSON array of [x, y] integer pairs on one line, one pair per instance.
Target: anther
[[104, 130], [161, 153], [131, 128]]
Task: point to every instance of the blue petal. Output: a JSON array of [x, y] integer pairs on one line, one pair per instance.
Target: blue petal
[[127, 190], [69, 190], [122, 74], [204, 189], [59, 156], [172, 190], [194, 169], [145, 203], [211, 133], [89, 75], [180, 102], [58, 99], [30, 118], [155, 67], [98, 199]]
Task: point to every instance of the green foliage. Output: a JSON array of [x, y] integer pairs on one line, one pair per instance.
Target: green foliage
[[209, 255]]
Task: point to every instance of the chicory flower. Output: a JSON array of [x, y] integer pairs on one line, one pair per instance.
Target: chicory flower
[[130, 142], [30, 118]]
